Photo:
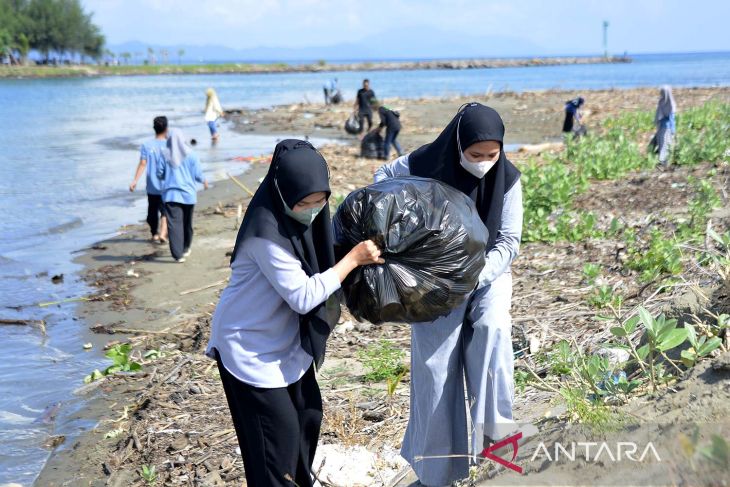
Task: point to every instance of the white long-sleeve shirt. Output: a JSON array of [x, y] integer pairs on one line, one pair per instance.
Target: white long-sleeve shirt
[[507, 245], [213, 110], [256, 323]]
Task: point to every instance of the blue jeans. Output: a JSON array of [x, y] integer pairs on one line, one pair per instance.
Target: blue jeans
[[213, 128], [391, 137]]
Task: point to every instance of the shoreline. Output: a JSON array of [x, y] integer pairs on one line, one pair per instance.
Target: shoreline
[[161, 309], [322, 67], [152, 303]]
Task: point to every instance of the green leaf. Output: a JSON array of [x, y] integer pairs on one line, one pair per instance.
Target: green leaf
[[96, 374], [688, 357], [112, 369], [691, 334], [675, 338], [618, 331], [665, 329], [135, 366], [630, 324], [646, 319], [642, 352], [711, 345]]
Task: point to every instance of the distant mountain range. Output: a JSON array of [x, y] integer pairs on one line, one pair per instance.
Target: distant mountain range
[[406, 43]]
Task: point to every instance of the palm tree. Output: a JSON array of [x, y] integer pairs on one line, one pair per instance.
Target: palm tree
[[180, 54]]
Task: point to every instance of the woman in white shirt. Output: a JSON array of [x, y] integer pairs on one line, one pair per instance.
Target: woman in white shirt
[[213, 111], [472, 344], [272, 321]]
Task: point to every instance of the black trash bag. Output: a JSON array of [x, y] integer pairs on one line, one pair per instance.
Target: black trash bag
[[336, 98], [433, 243], [372, 146], [352, 125]]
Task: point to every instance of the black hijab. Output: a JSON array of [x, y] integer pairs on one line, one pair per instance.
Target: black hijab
[[441, 160], [298, 170]]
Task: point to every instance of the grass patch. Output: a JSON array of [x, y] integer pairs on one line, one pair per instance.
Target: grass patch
[[383, 362]]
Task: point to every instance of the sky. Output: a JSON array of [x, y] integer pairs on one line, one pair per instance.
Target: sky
[[558, 27]]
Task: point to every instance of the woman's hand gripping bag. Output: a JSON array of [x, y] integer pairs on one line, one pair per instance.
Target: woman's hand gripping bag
[[433, 243]]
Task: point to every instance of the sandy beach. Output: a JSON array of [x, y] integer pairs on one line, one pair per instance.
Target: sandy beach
[[173, 414]]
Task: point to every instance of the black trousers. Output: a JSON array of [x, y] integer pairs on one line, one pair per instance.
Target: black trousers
[[362, 116], [179, 227], [154, 210], [277, 429]]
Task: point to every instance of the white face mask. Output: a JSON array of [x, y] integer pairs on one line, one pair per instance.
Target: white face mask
[[476, 169]]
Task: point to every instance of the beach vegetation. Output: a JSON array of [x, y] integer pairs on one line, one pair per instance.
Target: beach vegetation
[[148, 474], [120, 356], [383, 362]]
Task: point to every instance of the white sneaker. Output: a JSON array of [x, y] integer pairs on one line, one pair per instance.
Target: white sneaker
[[187, 253], [180, 260]]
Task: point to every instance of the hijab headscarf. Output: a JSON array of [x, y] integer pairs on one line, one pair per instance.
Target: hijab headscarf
[[576, 102], [297, 170], [666, 105], [441, 160], [177, 149]]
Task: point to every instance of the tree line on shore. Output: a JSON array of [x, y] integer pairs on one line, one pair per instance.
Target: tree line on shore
[[59, 29]]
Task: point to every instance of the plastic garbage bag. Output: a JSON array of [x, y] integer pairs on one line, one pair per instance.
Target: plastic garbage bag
[[352, 125], [371, 146], [433, 244]]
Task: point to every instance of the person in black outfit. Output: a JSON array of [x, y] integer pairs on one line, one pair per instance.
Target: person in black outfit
[[390, 119], [365, 97], [572, 123]]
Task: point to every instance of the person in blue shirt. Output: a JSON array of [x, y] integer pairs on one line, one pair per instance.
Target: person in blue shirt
[[178, 171], [331, 89], [665, 124], [149, 156]]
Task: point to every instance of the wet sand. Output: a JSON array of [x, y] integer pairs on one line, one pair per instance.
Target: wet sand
[[167, 306]]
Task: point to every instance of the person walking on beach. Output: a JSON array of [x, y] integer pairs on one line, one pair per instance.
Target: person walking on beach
[[213, 111], [665, 124], [363, 105], [473, 343], [272, 321], [572, 123], [390, 119], [150, 155], [179, 171]]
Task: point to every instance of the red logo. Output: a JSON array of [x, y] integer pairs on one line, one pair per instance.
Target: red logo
[[487, 452]]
